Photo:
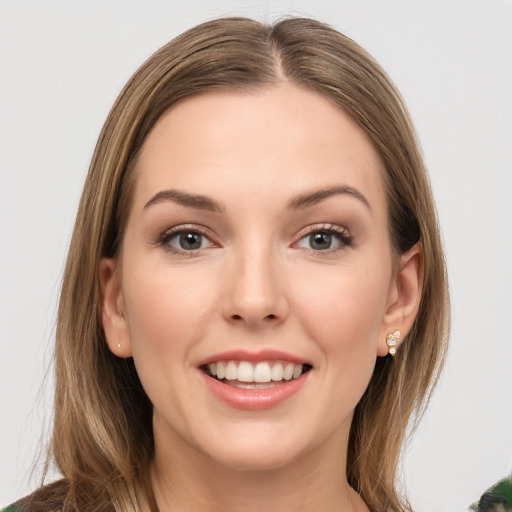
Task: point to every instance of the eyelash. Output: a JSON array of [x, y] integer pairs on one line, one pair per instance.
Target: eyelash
[[339, 233], [164, 239]]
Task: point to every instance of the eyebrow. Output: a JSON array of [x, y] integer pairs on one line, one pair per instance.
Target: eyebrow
[[198, 202], [312, 198], [305, 200]]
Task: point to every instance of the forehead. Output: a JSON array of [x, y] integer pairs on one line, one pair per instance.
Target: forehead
[[277, 140]]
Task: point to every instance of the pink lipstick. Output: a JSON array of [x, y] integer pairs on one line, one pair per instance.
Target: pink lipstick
[[254, 381]]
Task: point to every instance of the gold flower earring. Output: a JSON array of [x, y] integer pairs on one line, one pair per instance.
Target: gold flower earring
[[392, 341]]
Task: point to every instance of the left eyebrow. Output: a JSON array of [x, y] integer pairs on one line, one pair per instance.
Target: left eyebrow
[[312, 198]]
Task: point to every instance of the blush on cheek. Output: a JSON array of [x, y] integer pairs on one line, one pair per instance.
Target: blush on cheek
[[162, 310], [341, 305]]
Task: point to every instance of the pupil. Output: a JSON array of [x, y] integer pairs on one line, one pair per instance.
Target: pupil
[[320, 241], [190, 241]]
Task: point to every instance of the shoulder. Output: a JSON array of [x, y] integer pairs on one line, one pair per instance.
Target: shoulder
[[49, 498], [12, 508], [498, 497], [61, 496]]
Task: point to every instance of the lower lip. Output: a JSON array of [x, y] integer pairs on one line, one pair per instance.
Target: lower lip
[[254, 399]]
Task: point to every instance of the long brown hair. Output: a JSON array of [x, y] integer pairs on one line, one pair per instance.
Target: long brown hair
[[102, 440]]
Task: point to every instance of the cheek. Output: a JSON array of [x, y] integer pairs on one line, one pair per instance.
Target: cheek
[[343, 310], [166, 309]]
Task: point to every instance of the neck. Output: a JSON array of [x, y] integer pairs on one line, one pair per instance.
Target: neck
[[185, 480]]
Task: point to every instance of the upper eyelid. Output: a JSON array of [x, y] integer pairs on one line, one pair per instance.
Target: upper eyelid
[[188, 227], [342, 232], [163, 236], [324, 226]]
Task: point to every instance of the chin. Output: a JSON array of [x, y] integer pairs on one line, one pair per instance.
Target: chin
[[257, 460], [262, 451]]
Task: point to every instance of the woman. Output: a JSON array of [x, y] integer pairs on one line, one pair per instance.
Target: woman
[[255, 301]]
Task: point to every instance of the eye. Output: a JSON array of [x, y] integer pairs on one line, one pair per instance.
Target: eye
[[185, 241], [188, 241], [326, 239]]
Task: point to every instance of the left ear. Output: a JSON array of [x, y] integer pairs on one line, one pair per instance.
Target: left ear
[[404, 297]]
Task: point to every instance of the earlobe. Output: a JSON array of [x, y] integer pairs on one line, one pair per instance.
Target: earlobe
[[404, 299], [112, 309]]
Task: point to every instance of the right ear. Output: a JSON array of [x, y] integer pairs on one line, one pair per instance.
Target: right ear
[[113, 310]]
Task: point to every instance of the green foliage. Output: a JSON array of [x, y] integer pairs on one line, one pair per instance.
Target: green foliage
[[496, 499]]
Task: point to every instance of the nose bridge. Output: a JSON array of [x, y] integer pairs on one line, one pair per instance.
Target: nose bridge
[[255, 293]]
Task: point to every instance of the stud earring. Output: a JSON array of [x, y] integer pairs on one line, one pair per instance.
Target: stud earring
[[392, 341], [119, 345]]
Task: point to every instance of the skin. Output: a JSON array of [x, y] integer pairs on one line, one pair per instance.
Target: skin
[[257, 283]]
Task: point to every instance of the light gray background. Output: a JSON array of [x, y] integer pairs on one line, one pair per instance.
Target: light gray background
[[62, 65]]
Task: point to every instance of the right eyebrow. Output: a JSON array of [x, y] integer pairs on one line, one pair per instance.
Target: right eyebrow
[[196, 201]]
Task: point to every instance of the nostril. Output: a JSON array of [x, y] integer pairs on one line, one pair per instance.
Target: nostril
[[268, 317]]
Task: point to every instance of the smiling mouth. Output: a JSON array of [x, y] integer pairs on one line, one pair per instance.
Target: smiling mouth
[[261, 375]]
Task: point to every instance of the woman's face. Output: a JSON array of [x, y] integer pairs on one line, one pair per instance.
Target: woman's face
[[257, 245]]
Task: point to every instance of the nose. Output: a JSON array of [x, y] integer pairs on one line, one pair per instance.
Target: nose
[[255, 292]]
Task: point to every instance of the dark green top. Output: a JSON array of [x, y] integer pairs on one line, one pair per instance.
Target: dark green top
[[16, 507], [496, 499], [13, 508]]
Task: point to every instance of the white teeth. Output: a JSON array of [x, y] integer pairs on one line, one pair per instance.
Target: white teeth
[[245, 372], [221, 370], [262, 372], [231, 370], [288, 371], [277, 372]]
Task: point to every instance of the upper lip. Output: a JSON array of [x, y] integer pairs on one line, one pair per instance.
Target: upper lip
[[261, 355]]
